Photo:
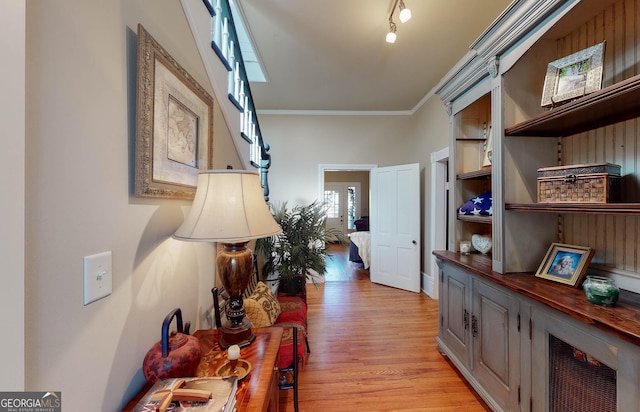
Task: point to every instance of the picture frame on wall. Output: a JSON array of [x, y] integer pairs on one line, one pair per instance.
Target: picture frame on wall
[[573, 76], [174, 125], [565, 264]]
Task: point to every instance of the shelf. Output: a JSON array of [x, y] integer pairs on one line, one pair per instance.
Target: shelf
[[476, 219], [476, 174], [586, 208], [610, 105]]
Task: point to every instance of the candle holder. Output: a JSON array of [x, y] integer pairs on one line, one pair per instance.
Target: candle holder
[[234, 366], [465, 247]]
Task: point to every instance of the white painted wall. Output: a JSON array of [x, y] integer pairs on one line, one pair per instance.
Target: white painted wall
[[432, 131], [80, 117], [299, 143], [12, 187]]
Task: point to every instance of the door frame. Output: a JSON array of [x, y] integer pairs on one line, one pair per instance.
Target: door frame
[[327, 167], [439, 187]]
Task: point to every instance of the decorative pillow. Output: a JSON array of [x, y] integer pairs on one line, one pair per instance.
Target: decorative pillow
[[479, 205], [262, 306]]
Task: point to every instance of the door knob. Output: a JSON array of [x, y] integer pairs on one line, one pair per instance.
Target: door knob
[[414, 242]]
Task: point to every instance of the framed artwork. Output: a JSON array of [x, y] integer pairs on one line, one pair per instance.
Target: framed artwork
[[174, 125], [573, 76], [565, 264]]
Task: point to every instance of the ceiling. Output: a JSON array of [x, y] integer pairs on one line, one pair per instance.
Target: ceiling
[[331, 55]]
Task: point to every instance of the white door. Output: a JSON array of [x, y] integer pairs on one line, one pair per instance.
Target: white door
[[395, 226], [343, 205]]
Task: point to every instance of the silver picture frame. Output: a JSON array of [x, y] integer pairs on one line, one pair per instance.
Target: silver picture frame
[[573, 76]]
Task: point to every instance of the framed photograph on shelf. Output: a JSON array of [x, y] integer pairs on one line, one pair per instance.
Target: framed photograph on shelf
[[174, 125], [573, 76], [565, 264]]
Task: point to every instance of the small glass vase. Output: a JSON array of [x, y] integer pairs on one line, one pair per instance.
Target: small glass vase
[[600, 290]]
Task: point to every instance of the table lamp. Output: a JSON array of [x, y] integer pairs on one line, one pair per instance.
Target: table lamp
[[229, 208]]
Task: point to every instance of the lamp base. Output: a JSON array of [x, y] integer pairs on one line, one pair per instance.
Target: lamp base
[[240, 334], [235, 268]]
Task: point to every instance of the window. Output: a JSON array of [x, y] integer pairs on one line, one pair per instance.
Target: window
[[332, 201]]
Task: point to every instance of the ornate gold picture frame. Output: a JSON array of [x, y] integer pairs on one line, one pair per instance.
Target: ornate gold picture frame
[[174, 125], [565, 264]]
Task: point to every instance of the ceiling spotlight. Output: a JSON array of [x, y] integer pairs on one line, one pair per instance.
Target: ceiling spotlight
[[391, 36], [405, 13]]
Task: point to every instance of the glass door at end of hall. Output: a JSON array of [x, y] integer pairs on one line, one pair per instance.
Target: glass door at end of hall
[[343, 205]]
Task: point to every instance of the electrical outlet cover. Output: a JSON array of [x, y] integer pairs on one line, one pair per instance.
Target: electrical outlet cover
[[97, 276]]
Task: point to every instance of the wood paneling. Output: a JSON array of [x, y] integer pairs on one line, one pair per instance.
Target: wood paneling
[[615, 238]]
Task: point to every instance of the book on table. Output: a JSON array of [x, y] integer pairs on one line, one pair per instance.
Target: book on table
[[207, 394]]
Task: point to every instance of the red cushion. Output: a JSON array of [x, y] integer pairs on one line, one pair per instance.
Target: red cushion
[[292, 310], [286, 349]]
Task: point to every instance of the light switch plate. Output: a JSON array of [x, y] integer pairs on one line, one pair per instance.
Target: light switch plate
[[97, 276]]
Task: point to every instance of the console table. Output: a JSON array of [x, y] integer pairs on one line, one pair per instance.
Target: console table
[[256, 393]]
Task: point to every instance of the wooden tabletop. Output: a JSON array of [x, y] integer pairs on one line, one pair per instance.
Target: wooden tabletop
[[253, 391]]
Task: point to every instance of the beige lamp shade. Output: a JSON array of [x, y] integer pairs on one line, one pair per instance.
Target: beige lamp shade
[[228, 207]]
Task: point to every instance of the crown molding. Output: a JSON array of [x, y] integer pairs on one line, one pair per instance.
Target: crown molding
[[507, 34], [335, 112]]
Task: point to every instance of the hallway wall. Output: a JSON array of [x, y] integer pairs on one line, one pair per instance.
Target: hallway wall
[[80, 151], [299, 143]]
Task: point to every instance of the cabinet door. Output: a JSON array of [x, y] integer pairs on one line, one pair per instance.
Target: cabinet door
[[496, 343], [454, 311], [581, 367]]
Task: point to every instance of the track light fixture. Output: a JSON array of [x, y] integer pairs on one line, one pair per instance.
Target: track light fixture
[[391, 36], [405, 13], [403, 16]]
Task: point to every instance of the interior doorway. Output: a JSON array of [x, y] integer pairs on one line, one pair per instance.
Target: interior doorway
[[347, 173]]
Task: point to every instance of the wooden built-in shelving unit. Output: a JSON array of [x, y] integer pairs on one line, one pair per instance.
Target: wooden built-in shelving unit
[[610, 105], [476, 174], [590, 208]]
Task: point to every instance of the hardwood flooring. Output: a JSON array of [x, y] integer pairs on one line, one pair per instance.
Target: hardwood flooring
[[373, 349]]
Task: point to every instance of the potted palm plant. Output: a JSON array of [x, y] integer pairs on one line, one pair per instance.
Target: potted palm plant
[[300, 251]]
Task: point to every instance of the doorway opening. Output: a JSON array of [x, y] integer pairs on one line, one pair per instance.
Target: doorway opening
[[439, 216], [346, 187], [347, 175]]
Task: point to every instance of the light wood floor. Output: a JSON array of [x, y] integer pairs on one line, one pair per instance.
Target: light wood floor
[[373, 349]]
